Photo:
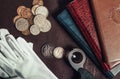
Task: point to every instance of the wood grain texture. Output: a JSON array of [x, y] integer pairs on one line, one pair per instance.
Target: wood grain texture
[[57, 36]]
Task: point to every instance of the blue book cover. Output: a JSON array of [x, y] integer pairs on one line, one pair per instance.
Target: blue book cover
[[69, 25]]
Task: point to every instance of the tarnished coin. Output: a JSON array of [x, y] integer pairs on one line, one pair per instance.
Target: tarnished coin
[[26, 32], [46, 27], [30, 20], [39, 20], [15, 18], [42, 10], [34, 30], [47, 50], [22, 24], [34, 8], [38, 2], [26, 13], [19, 9]]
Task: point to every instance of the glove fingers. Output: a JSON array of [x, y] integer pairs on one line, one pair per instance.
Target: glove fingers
[[41, 66], [15, 46], [3, 33], [6, 51]]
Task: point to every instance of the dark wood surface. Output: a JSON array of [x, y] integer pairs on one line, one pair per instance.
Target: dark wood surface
[[56, 36]]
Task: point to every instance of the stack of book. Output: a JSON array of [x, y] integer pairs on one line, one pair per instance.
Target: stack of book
[[86, 21]]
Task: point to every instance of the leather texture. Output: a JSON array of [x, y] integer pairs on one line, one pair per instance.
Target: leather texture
[[81, 13], [107, 15], [66, 20]]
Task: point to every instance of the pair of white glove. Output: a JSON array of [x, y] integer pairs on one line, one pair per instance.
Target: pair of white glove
[[19, 61]]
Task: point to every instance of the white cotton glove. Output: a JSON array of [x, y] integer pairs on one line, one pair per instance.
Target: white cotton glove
[[28, 65], [40, 70], [7, 57]]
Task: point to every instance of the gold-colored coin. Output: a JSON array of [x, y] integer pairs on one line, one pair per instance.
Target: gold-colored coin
[[38, 2], [15, 18], [34, 8], [26, 13], [19, 9], [22, 24], [26, 32]]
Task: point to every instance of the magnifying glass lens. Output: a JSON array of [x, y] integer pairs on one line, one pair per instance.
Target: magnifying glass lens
[[77, 57]]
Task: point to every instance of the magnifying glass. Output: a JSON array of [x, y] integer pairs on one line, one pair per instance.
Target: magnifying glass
[[77, 59]]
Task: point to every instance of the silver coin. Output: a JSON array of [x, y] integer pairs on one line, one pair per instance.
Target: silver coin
[[34, 30], [39, 20], [46, 26], [34, 8], [47, 50], [22, 24], [42, 10]]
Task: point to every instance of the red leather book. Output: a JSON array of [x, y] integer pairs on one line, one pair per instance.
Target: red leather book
[[81, 13], [107, 14]]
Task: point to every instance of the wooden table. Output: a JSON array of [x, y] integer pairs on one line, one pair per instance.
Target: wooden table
[[56, 36]]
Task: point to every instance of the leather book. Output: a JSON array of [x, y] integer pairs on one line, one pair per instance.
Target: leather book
[[81, 13], [107, 15], [66, 21]]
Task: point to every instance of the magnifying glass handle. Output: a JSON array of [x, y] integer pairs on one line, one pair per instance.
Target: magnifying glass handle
[[84, 74]]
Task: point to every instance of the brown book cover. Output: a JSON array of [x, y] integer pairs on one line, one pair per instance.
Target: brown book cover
[[107, 15]]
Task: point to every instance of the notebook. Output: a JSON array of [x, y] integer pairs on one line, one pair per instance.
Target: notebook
[[107, 15], [69, 25], [81, 13]]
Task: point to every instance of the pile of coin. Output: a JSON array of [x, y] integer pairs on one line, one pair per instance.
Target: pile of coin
[[32, 20]]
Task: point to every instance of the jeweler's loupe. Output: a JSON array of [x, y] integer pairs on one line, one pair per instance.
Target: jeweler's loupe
[[77, 59]]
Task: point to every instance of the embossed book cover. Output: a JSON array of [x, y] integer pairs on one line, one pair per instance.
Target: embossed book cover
[[107, 15]]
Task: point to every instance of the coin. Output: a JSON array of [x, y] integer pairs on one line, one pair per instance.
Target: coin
[[15, 18], [22, 24], [47, 50], [26, 13], [30, 20], [34, 30], [26, 32], [19, 9], [46, 26], [34, 8], [42, 10], [38, 2], [39, 20]]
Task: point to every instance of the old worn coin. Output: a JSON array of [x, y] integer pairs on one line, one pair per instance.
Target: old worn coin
[[34, 8], [38, 2], [42, 10], [30, 20], [34, 30], [46, 26], [15, 18], [19, 9], [22, 24], [39, 20], [26, 32], [26, 13]]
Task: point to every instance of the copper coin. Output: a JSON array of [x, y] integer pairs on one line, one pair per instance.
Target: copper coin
[[22, 24], [30, 20], [46, 27], [26, 32], [38, 2], [34, 30], [42, 10], [34, 8], [15, 18], [26, 13], [39, 20], [19, 9]]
